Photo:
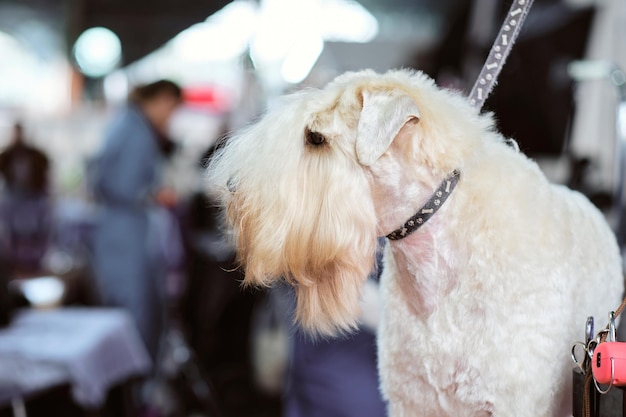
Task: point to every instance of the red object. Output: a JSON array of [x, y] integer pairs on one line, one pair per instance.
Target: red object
[[209, 98]]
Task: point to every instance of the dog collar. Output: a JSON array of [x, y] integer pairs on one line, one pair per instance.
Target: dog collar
[[427, 211]]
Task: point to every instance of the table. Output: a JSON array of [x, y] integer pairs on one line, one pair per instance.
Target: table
[[92, 349]]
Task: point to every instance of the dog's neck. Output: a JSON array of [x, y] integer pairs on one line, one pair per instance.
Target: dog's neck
[[425, 271], [424, 213], [425, 268]]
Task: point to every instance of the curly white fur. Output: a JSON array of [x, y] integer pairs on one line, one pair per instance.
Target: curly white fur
[[481, 305]]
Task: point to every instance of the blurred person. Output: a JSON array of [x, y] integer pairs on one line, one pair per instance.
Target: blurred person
[[25, 208], [24, 167], [128, 262]]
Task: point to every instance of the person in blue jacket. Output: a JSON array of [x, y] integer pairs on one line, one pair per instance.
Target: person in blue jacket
[[125, 178]]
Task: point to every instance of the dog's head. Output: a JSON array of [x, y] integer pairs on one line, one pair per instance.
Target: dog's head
[[308, 188]]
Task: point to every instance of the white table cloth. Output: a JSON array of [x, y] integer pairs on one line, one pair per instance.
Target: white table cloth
[[92, 349]]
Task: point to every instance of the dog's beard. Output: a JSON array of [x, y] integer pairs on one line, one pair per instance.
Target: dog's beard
[[302, 230]]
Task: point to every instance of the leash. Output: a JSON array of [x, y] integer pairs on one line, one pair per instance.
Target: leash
[[482, 87], [499, 52]]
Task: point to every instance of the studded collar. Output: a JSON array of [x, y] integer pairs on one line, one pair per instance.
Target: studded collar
[[433, 204]]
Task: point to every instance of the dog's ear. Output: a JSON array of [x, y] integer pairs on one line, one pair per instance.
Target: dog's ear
[[384, 113]]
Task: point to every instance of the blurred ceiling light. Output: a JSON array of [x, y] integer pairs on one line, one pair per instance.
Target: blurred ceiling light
[[28, 81], [590, 70], [8, 41], [283, 23], [97, 51], [224, 35], [301, 59], [621, 120], [347, 21], [284, 39]]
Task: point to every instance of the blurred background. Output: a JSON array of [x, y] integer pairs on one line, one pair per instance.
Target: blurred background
[[66, 70]]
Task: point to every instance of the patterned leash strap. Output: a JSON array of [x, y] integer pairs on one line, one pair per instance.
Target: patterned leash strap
[[499, 52]]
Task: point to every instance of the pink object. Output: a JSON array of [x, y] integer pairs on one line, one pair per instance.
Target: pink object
[[603, 371]]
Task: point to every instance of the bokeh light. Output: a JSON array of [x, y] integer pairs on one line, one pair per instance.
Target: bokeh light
[[97, 51]]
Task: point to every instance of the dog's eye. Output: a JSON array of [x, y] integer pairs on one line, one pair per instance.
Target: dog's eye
[[314, 138]]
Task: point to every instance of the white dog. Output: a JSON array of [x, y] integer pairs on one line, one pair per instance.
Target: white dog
[[482, 303]]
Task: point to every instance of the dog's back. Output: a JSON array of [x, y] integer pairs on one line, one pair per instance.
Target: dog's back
[[504, 278]]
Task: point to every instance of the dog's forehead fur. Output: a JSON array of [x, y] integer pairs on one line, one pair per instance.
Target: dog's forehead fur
[[342, 99]]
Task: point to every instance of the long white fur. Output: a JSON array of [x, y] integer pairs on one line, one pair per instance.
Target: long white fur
[[481, 305]]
